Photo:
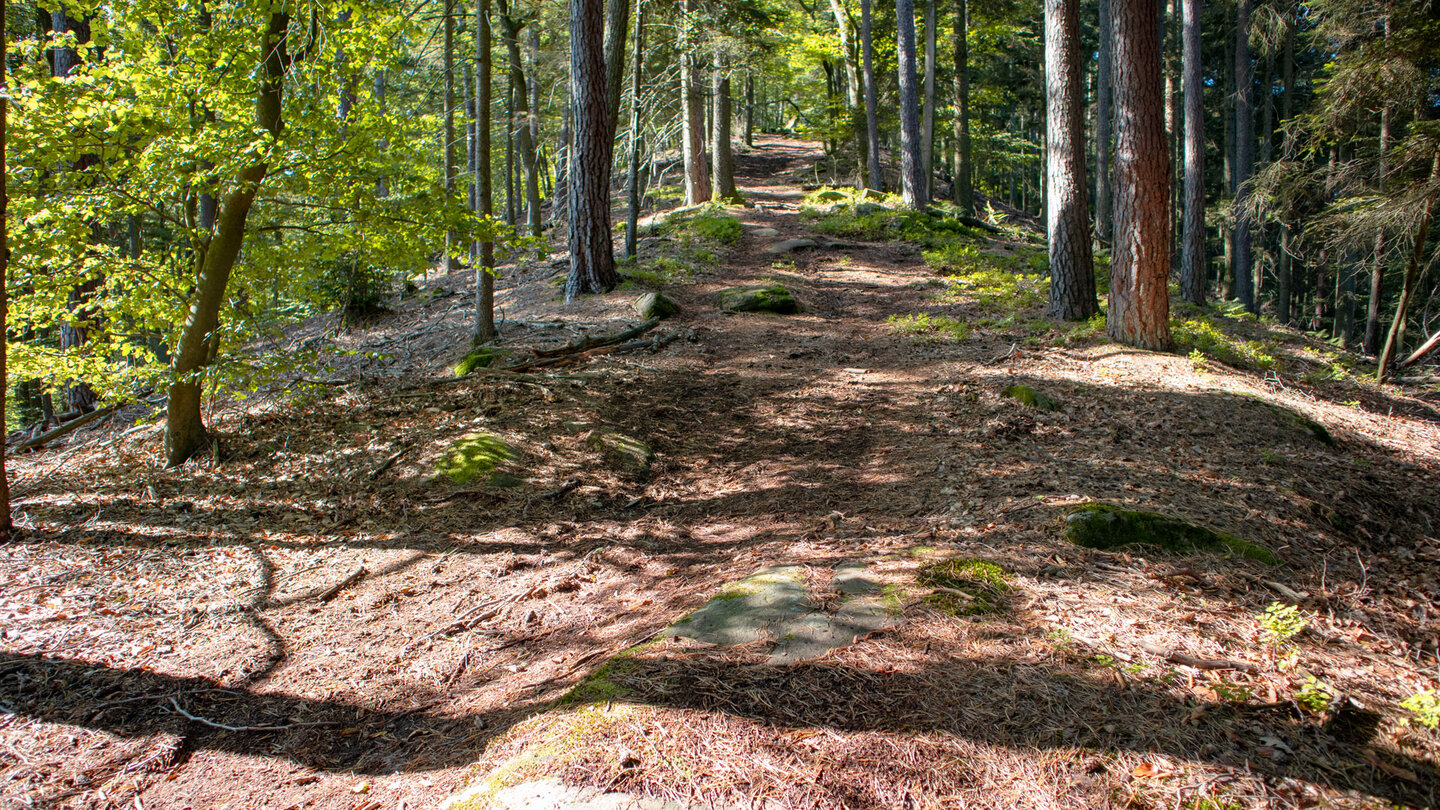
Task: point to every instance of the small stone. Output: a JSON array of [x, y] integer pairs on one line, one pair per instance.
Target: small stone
[[625, 454], [1103, 526], [765, 233], [1026, 395]]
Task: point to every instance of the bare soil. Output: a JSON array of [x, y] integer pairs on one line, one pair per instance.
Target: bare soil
[[145, 610]]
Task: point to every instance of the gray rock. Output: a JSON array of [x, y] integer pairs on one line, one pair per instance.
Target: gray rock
[[765, 233], [654, 305], [762, 298], [791, 245], [623, 453], [748, 610]]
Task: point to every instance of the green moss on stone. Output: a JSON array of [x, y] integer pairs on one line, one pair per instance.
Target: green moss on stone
[[654, 306], [473, 456], [986, 583], [624, 453], [481, 357], [760, 298], [1104, 526], [1026, 395]]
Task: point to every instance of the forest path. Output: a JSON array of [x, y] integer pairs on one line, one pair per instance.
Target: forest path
[[820, 442]]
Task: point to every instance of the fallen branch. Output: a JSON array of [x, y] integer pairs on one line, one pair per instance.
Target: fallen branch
[[1419, 354], [212, 724], [1176, 657], [334, 590], [586, 344], [386, 464], [69, 427], [560, 491]]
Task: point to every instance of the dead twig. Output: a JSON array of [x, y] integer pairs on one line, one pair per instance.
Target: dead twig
[[334, 590], [1177, 657], [387, 464], [212, 724], [69, 427]]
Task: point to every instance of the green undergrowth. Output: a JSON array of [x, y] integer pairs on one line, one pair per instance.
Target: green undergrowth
[[878, 218], [970, 587], [1107, 527], [1206, 336], [925, 328], [706, 223]]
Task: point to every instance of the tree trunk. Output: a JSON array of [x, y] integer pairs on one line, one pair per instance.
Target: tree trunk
[[1139, 270], [560, 211], [963, 188], [873, 179], [185, 433], [1377, 263], [484, 195], [617, 20], [529, 141], [1244, 159], [853, 105], [633, 175], [1072, 270], [911, 159], [1104, 119], [5, 525], [722, 159], [749, 108], [1284, 280], [1193, 270], [1395, 338], [697, 179], [448, 152], [592, 262], [927, 122]]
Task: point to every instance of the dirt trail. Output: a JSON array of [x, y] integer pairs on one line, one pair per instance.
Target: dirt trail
[[146, 609]]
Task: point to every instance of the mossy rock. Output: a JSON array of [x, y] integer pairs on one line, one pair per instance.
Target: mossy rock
[[504, 480], [761, 298], [623, 453], [985, 583], [654, 306], [827, 195], [1298, 420], [1107, 527], [473, 456], [479, 357], [1026, 395]]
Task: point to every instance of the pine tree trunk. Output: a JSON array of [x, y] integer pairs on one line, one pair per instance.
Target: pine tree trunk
[[1139, 270], [1377, 263], [448, 150], [529, 141], [617, 20], [5, 524], [592, 261], [633, 175], [1193, 271], [1072, 270], [1244, 159], [749, 110], [1104, 121], [873, 179], [911, 159], [927, 121], [1284, 281], [484, 195], [963, 189], [185, 433], [697, 179], [722, 158]]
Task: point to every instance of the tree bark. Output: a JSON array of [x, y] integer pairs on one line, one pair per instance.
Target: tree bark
[[5, 524], [964, 188], [1193, 269], [1244, 159], [722, 166], [448, 151], [617, 20], [185, 433], [1377, 263], [633, 175], [697, 178], [873, 179], [484, 194], [854, 107], [1139, 270], [1284, 286], [749, 109], [1072, 270], [1104, 119], [927, 121], [912, 178], [592, 261]]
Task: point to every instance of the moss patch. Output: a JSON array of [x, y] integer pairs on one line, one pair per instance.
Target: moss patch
[[623, 453], [1297, 420], [761, 298], [1025, 395], [926, 328], [473, 456], [1104, 526], [984, 584], [480, 357], [654, 305]]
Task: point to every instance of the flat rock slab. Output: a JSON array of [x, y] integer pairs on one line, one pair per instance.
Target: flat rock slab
[[749, 610], [765, 233], [791, 245], [552, 794], [817, 634]]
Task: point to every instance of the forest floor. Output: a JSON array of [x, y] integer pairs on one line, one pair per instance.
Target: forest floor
[[144, 610]]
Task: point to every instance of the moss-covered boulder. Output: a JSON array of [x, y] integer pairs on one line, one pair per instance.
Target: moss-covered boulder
[[623, 453], [473, 456], [761, 298], [479, 357], [654, 306], [1026, 395], [1105, 526], [827, 195]]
